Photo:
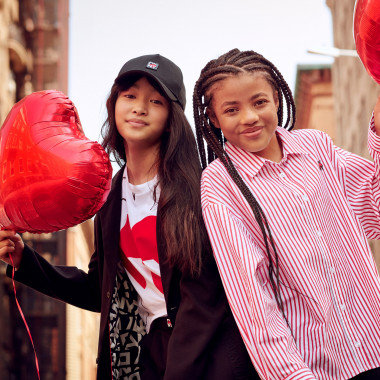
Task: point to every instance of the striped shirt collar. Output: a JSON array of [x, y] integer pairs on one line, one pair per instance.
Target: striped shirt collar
[[251, 163]]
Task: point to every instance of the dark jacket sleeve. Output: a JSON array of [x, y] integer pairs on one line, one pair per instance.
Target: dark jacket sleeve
[[201, 312], [68, 284]]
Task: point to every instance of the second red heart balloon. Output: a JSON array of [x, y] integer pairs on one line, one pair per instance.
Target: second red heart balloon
[[367, 35]]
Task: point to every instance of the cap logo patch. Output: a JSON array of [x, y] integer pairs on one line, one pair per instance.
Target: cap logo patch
[[152, 65]]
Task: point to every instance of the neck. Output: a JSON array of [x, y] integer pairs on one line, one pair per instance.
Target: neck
[[141, 165], [273, 151]]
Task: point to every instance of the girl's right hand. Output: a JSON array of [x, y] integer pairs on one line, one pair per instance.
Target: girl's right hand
[[11, 244]]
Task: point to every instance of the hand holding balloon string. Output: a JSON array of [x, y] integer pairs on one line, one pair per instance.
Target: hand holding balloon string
[[11, 248]]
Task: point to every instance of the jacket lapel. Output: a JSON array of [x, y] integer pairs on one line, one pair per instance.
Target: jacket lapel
[[110, 221]]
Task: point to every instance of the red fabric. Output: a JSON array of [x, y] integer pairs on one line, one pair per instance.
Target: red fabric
[[140, 242]]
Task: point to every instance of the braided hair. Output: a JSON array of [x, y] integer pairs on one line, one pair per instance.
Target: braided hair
[[232, 63]]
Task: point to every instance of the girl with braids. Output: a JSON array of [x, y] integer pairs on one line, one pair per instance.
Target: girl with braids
[[152, 277], [288, 215]]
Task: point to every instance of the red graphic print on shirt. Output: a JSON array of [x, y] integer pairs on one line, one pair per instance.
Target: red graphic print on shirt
[[140, 242]]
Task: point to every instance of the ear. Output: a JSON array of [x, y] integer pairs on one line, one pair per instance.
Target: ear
[[276, 101], [211, 115]]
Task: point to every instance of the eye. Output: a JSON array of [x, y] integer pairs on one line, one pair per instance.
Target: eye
[[157, 101], [261, 102], [127, 95], [231, 110]]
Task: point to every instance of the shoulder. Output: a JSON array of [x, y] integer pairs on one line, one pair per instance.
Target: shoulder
[[215, 169], [307, 134], [114, 196], [215, 175], [116, 180], [217, 186], [309, 140]]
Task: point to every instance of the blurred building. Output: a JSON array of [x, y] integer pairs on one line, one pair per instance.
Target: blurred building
[[33, 57], [355, 92], [339, 99], [64, 336], [33, 48], [314, 98]]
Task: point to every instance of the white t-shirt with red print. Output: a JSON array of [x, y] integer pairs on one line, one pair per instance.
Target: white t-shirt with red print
[[139, 246]]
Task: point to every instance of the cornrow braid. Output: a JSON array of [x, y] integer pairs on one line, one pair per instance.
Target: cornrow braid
[[233, 63]]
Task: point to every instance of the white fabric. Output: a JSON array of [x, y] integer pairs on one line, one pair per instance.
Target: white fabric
[[139, 212]]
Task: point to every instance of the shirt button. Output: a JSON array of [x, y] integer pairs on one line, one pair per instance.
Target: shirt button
[[282, 175], [319, 233], [357, 344], [108, 294], [343, 307], [305, 197], [332, 270]]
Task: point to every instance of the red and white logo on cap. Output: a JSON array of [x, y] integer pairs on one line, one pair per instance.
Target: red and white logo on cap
[[152, 65]]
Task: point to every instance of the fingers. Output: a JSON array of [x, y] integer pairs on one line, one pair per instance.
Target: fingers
[[8, 234], [11, 244], [7, 247]]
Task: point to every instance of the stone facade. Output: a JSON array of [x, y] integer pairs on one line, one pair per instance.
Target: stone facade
[[82, 326], [15, 58], [33, 49]]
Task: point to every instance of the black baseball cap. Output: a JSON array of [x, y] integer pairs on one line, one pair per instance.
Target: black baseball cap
[[163, 70]]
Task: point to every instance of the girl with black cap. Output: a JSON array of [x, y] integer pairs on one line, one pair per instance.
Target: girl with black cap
[[152, 276]]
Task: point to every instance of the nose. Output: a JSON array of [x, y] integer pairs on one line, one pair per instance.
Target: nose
[[140, 107], [250, 116]]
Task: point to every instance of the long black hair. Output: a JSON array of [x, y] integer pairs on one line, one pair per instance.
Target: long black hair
[[235, 62], [179, 173]]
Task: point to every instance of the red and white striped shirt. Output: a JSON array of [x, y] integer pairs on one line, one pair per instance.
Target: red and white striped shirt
[[322, 203]]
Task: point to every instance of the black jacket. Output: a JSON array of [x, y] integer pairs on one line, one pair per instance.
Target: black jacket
[[205, 342]]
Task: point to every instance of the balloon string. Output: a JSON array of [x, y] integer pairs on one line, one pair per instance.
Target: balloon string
[[23, 318]]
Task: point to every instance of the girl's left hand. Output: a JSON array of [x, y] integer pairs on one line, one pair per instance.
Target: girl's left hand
[[376, 114]]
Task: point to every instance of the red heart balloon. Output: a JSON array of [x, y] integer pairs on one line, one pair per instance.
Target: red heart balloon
[[367, 35], [51, 175]]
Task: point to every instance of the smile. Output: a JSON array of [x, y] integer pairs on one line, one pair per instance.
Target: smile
[[252, 132], [137, 122]]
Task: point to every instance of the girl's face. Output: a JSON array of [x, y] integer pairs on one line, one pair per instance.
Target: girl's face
[[244, 107], [141, 115]]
